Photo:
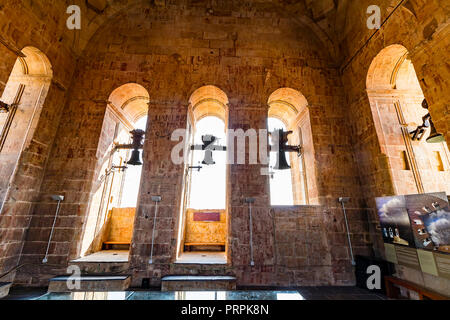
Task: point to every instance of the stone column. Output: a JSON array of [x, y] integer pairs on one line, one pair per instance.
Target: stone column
[[160, 177], [246, 180], [19, 214]]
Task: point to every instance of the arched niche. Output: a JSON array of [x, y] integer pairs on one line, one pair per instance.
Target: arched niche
[[204, 102], [291, 107], [286, 104], [25, 93], [131, 100], [208, 101], [384, 68], [395, 98], [126, 105]]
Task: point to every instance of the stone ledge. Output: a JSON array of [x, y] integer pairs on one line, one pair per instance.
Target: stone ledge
[[194, 283], [198, 278], [90, 283], [89, 278]]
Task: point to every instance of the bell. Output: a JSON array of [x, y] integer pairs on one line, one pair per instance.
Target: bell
[[435, 137], [280, 138], [4, 108], [208, 159], [137, 136], [281, 162], [135, 159]]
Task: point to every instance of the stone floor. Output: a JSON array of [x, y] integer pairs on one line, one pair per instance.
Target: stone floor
[[300, 293], [202, 257], [106, 256]]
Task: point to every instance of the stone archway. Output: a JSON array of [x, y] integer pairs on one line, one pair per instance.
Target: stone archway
[[395, 98], [291, 107]]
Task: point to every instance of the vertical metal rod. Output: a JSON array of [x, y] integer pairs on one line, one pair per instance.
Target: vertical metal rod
[[348, 233], [51, 233]]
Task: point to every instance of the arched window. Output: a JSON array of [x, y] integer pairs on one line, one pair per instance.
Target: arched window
[[281, 192], [203, 215], [115, 188], [288, 111], [132, 176], [25, 93], [208, 184], [396, 98]]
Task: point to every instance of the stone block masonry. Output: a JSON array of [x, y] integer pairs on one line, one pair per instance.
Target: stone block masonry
[[248, 49]]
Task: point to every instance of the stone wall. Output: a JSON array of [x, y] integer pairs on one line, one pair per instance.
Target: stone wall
[[28, 24], [422, 27], [244, 56], [248, 49], [302, 248]]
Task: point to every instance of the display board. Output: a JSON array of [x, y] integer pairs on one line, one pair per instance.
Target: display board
[[427, 262], [390, 253], [430, 220], [416, 231], [394, 221], [443, 264], [408, 257]]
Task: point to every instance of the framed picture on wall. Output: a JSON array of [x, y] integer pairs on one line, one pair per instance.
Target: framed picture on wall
[[430, 220], [394, 221]]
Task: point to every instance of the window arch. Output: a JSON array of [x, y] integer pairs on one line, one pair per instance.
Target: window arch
[[207, 114], [208, 101], [25, 93], [115, 190], [395, 98], [291, 108]]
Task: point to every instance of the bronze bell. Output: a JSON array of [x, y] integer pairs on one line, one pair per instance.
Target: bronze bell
[[4, 108], [281, 139], [435, 137], [208, 140], [135, 159], [137, 137], [282, 162]]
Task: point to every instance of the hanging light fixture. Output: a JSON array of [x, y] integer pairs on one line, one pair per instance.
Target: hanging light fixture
[[434, 137], [4, 108]]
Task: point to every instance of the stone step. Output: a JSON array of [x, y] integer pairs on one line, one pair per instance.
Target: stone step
[[104, 262], [4, 289], [200, 269], [90, 283], [94, 267], [197, 283]]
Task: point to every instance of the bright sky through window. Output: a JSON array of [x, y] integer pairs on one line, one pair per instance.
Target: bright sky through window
[[208, 189], [133, 177], [208, 185], [281, 183]]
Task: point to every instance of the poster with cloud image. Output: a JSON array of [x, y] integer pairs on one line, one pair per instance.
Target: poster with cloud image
[[430, 220], [394, 221]]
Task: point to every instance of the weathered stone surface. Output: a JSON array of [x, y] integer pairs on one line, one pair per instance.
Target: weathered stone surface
[[248, 49], [91, 283], [192, 283]]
